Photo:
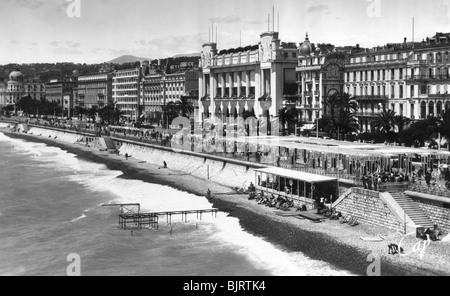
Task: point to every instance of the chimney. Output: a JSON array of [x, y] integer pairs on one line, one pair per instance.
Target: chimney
[[404, 40]]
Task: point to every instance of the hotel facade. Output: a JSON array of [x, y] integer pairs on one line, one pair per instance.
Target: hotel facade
[[254, 78], [320, 74], [94, 90], [160, 88], [411, 79], [126, 92]]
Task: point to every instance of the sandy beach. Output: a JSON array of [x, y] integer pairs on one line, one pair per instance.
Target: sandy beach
[[330, 241]]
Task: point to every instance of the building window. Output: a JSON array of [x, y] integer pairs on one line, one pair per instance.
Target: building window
[[423, 89]]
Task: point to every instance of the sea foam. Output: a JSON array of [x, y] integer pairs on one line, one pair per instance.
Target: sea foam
[[224, 229]]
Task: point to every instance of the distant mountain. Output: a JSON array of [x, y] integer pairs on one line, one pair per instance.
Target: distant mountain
[[128, 59], [186, 55]]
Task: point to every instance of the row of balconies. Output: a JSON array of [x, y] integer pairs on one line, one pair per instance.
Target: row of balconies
[[309, 106], [311, 93], [376, 63], [429, 77], [242, 58]]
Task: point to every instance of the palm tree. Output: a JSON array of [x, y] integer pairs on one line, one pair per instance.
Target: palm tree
[[171, 111], [93, 112], [346, 123], [325, 125], [185, 106], [384, 122], [332, 102], [444, 128], [80, 111], [401, 122], [288, 117], [117, 113], [348, 103]]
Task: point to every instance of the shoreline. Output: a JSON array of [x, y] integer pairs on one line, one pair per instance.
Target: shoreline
[[336, 244]]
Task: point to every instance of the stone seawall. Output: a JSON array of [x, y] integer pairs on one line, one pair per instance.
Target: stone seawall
[[369, 209], [66, 137], [222, 172]]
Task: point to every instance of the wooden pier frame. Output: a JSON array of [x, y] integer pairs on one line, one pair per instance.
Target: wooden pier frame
[[184, 214], [131, 216]]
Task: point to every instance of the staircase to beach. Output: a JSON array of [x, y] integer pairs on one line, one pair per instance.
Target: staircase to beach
[[412, 209], [109, 143]]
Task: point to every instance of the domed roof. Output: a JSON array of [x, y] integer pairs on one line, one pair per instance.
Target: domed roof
[[16, 74], [306, 47]]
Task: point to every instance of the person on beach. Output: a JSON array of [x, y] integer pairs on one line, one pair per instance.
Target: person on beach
[[165, 164], [126, 156], [209, 195]]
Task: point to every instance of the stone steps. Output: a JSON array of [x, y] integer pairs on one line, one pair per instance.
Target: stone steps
[[414, 212]]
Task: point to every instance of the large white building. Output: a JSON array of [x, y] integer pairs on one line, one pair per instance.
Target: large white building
[[3, 87], [245, 79], [160, 88], [411, 79], [94, 90], [126, 91], [320, 74], [15, 88]]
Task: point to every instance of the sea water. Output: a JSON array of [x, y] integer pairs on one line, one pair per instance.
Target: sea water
[[51, 206]]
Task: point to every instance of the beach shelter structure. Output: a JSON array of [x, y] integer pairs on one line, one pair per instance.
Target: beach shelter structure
[[303, 188]]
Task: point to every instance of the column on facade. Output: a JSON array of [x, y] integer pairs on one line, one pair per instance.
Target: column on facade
[[320, 90], [231, 82], [303, 90], [222, 87], [239, 83], [263, 83], [257, 93], [313, 91], [247, 86], [211, 94]]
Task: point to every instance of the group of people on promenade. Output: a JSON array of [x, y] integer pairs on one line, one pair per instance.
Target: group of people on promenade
[[376, 180]]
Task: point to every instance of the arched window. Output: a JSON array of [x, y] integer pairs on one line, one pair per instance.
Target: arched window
[[447, 106], [431, 108], [423, 110], [439, 108]]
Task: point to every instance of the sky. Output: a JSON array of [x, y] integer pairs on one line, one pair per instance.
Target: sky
[[96, 31]]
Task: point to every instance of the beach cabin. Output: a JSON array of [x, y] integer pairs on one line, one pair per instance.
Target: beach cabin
[[303, 188]]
